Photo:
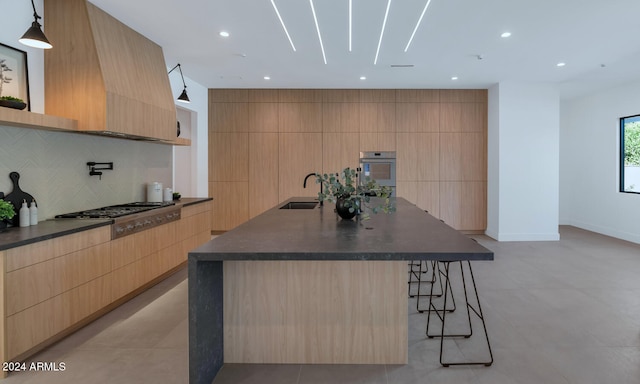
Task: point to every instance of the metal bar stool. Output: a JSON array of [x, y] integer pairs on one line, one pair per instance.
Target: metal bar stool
[[415, 277], [436, 279], [443, 271]]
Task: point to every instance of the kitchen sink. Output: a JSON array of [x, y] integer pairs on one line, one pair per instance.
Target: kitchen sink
[[300, 205]]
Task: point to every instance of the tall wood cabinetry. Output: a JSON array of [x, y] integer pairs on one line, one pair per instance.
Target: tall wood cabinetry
[[262, 143], [442, 154]]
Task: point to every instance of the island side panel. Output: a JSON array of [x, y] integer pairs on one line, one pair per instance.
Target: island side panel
[[315, 312], [205, 320]]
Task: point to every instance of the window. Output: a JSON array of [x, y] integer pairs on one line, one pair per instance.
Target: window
[[630, 154]]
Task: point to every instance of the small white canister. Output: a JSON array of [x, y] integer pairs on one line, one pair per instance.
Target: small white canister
[[168, 195], [154, 192]]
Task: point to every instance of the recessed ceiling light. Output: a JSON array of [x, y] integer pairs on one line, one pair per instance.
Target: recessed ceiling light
[[363, 77], [224, 33], [561, 64], [454, 77], [505, 34], [267, 77]]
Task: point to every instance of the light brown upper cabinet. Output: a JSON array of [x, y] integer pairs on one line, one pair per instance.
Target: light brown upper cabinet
[[463, 117], [378, 117], [229, 117], [340, 117], [232, 156], [338, 151], [418, 117], [263, 172], [105, 75], [298, 155], [300, 117], [418, 157]]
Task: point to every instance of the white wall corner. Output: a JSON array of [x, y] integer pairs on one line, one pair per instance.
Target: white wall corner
[[523, 162]]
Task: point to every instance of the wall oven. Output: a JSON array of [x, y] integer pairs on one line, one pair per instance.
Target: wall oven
[[380, 166]]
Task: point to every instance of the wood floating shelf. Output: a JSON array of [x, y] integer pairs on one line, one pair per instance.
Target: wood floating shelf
[[181, 142], [26, 119], [32, 120]]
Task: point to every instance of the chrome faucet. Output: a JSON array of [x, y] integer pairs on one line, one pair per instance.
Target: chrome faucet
[[304, 185]]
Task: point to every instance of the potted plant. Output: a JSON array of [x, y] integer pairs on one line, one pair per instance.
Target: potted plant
[[6, 213], [12, 102], [351, 196]]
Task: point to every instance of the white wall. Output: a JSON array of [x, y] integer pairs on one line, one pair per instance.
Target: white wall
[[52, 167], [193, 181], [493, 162], [523, 162], [589, 164]]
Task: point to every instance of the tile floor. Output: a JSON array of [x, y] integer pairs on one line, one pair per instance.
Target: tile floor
[[564, 312]]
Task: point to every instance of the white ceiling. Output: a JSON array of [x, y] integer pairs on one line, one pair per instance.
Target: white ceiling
[[598, 39]]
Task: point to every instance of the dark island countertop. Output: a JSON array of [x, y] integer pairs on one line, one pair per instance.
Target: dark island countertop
[[318, 234]]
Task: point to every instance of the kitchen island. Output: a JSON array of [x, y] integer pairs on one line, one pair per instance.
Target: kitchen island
[[303, 286]]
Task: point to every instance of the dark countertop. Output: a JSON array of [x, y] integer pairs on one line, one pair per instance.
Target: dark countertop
[[16, 236], [187, 201], [318, 234]]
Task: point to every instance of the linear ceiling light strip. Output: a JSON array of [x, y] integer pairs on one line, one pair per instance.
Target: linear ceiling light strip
[[283, 26], [315, 19], [417, 25], [384, 23], [350, 22]]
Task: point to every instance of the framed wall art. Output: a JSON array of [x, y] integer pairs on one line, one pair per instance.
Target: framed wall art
[[14, 76]]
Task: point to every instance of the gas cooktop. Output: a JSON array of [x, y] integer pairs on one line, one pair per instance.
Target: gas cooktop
[[114, 211]]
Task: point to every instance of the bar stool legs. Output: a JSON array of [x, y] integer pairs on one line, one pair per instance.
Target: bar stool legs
[[436, 276], [477, 310], [415, 275]]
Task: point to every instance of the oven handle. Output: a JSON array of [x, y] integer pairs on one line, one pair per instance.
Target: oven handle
[[387, 160]]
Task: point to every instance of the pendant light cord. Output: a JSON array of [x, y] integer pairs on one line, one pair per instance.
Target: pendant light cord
[[179, 69], [35, 14]]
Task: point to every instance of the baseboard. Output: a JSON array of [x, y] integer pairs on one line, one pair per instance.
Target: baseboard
[[628, 236], [523, 236]]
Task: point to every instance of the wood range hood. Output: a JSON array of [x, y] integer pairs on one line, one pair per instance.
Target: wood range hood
[[105, 75]]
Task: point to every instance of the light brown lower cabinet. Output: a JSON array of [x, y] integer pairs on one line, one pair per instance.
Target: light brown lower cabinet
[[53, 287], [42, 299]]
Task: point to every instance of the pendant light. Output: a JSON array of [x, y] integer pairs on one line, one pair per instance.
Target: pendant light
[[34, 37], [183, 96]]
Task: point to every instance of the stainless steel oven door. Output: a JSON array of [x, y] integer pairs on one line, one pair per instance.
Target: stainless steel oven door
[[380, 166]]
